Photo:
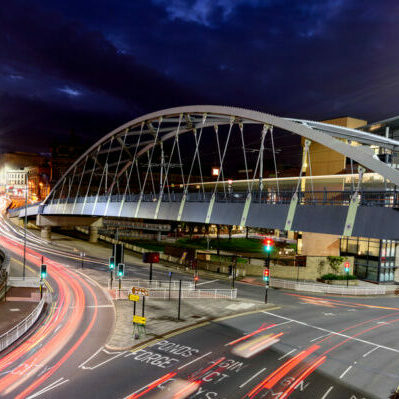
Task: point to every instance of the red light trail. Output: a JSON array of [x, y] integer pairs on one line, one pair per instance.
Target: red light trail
[[55, 333]]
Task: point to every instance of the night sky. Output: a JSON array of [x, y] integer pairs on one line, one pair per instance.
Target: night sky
[[85, 67]]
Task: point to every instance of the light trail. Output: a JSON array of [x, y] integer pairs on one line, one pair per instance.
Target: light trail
[[246, 336], [55, 333]]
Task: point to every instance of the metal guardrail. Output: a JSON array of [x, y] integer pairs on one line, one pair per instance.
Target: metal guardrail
[[21, 328], [326, 288], [163, 293], [154, 284]]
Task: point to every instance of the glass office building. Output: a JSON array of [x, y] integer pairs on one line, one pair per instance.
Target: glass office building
[[375, 260]]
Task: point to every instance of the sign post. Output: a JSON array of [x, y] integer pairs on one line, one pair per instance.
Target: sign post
[[139, 322], [150, 257]]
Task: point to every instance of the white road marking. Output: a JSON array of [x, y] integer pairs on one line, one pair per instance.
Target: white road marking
[[335, 333], [254, 376], [343, 374], [100, 306], [53, 385], [208, 282], [329, 314], [327, 392], [280, 324], [319, 337], [370, 351], [117, 354], [193, 361], [287, 354], [91, 357]]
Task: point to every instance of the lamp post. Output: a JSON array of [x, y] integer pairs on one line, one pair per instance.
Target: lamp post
[[25, 222]]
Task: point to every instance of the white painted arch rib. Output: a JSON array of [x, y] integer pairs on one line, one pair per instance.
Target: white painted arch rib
[[311, 133]]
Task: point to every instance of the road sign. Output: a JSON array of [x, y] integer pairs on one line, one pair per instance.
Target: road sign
[[133, 297], [139, 320], [139, 290], [151, 257]]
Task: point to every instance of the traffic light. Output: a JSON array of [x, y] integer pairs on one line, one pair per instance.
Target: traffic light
[[268, 244], [196, 278], [111, 262], [266, 274], [121, 270], [347, 267], [43, 271]]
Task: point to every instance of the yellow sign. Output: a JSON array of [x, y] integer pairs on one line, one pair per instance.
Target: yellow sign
[[139, 320], [133, 297], [139, 290]]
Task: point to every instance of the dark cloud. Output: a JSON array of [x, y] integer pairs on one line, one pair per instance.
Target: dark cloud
[[88, 66]]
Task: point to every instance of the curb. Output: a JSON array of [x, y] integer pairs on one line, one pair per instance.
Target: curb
[[188, 327]]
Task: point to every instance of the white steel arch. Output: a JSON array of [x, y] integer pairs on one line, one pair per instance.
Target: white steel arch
[[200, 116]]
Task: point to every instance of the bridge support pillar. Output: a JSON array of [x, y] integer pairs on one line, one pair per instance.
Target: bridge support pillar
[[93, 234], [45, 233]]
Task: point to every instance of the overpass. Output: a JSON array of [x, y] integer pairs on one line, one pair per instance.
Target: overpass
[[158, 167]]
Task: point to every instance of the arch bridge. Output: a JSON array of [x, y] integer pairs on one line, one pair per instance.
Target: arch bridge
[[224, 165]]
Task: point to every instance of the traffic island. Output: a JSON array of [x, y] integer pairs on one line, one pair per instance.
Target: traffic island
[[162, 318]]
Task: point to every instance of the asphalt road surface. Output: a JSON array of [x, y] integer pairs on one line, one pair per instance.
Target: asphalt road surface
[[307, 346]]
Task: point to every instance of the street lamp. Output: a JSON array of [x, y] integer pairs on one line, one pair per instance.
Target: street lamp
[[25, 222]]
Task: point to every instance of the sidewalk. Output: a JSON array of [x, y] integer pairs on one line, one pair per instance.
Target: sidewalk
[[20, 303]]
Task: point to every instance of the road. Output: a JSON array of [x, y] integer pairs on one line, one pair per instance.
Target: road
[[312, 346]]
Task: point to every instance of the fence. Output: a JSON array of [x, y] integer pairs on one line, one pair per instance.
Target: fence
[[21, 328], [4, 270], [163, 293], [326, 288], [174, 284]]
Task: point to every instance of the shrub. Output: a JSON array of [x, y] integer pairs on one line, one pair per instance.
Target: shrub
[[331, 276], [335, 262]]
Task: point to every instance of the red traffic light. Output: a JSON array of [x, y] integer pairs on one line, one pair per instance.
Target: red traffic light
[[268, 241], [266, 274], [268, 244], [347, 266], [196, 278]]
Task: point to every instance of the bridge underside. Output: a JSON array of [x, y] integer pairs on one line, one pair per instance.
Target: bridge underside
[[373, 222]]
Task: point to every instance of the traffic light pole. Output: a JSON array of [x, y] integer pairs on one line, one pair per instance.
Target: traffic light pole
[[170, 282], [267, 266], [150, 278]]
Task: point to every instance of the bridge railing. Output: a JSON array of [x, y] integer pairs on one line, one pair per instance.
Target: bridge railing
[[322, 197]]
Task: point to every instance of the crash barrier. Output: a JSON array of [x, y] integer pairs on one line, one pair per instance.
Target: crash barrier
[[21, 328], [328, 289]]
